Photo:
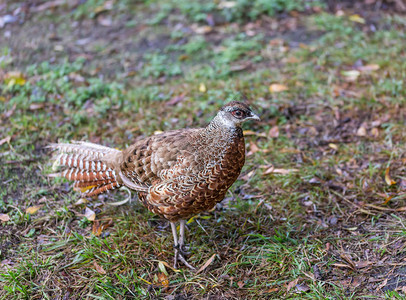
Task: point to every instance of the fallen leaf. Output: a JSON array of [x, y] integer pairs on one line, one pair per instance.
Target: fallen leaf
[[387, 199], [14, 78], [362, 131], [5, 140], [36, 106], [351, 75], [383, 284], [375, 132], [362, 264], [357, 18], [271, 290], [33, 209], [240, 284], [161, 267], [272, 170], [333, 146], [277, 88], [81, 201], [98, 226], [250, 132], [47, 5], [176, 99], [201, 29], [163, 279], [291, 285], [10, 112], [202, 88], [206, 264], [253, 148], [99, 268], [302, 287], [58, 48], [273, 132], [7, 19], [227, 4], [4, 218], [105, 21], [90, 214], [388, 179], [369, 68], [241, 67], [342, 266]]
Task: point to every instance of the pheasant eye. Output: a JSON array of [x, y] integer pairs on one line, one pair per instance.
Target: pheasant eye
[[238, 114]]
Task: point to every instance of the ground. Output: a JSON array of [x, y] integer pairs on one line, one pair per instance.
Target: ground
[[318, 211]]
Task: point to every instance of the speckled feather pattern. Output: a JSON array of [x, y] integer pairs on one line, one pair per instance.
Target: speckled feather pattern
[[177, 174], [186, 171]]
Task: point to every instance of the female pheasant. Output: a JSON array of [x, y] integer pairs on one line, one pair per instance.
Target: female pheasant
[[177, 174]]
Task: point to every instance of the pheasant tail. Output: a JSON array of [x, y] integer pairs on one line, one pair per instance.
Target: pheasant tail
[[82, 162]]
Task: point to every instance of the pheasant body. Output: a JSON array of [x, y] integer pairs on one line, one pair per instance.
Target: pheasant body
[[177, 174]]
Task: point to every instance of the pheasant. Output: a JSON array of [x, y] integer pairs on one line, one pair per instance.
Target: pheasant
[[177, 174]]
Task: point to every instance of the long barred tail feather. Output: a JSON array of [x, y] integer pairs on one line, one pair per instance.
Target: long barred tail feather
[[82, 162]]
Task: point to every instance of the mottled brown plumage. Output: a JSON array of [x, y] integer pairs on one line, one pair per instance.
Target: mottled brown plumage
[[177, 174]]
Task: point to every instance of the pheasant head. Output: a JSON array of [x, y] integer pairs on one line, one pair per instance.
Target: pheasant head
[[234, 113]]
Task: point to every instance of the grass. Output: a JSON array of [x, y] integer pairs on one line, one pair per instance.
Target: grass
[[324, 225]]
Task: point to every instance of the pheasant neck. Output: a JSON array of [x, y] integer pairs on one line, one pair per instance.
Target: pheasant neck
[[224, 128]]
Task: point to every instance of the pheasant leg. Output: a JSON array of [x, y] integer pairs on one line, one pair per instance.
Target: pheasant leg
[[177, 247], [183, 249]]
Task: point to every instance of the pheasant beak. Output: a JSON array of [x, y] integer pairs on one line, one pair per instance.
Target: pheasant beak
[[253, 117]]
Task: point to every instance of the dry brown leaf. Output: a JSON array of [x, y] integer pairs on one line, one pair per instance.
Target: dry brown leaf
[[105, 21], [99, 268], [302, 287], [273, 132], [362, 131], [271, 290], [98, 227], [362, 264], [206, 264], [240, 284], [47, 5], [375, 132], [33, 209], [383, 284], [36, 106], [253, 147], [5, 140], [10, 112], [176, 99], [342, 266], [291, 285], [277, 88], [369, 68], [250, 132], [90, 214], [4, 218], [163, 279], [388, 179], [387, 199], [272, 170], [201, 29]]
